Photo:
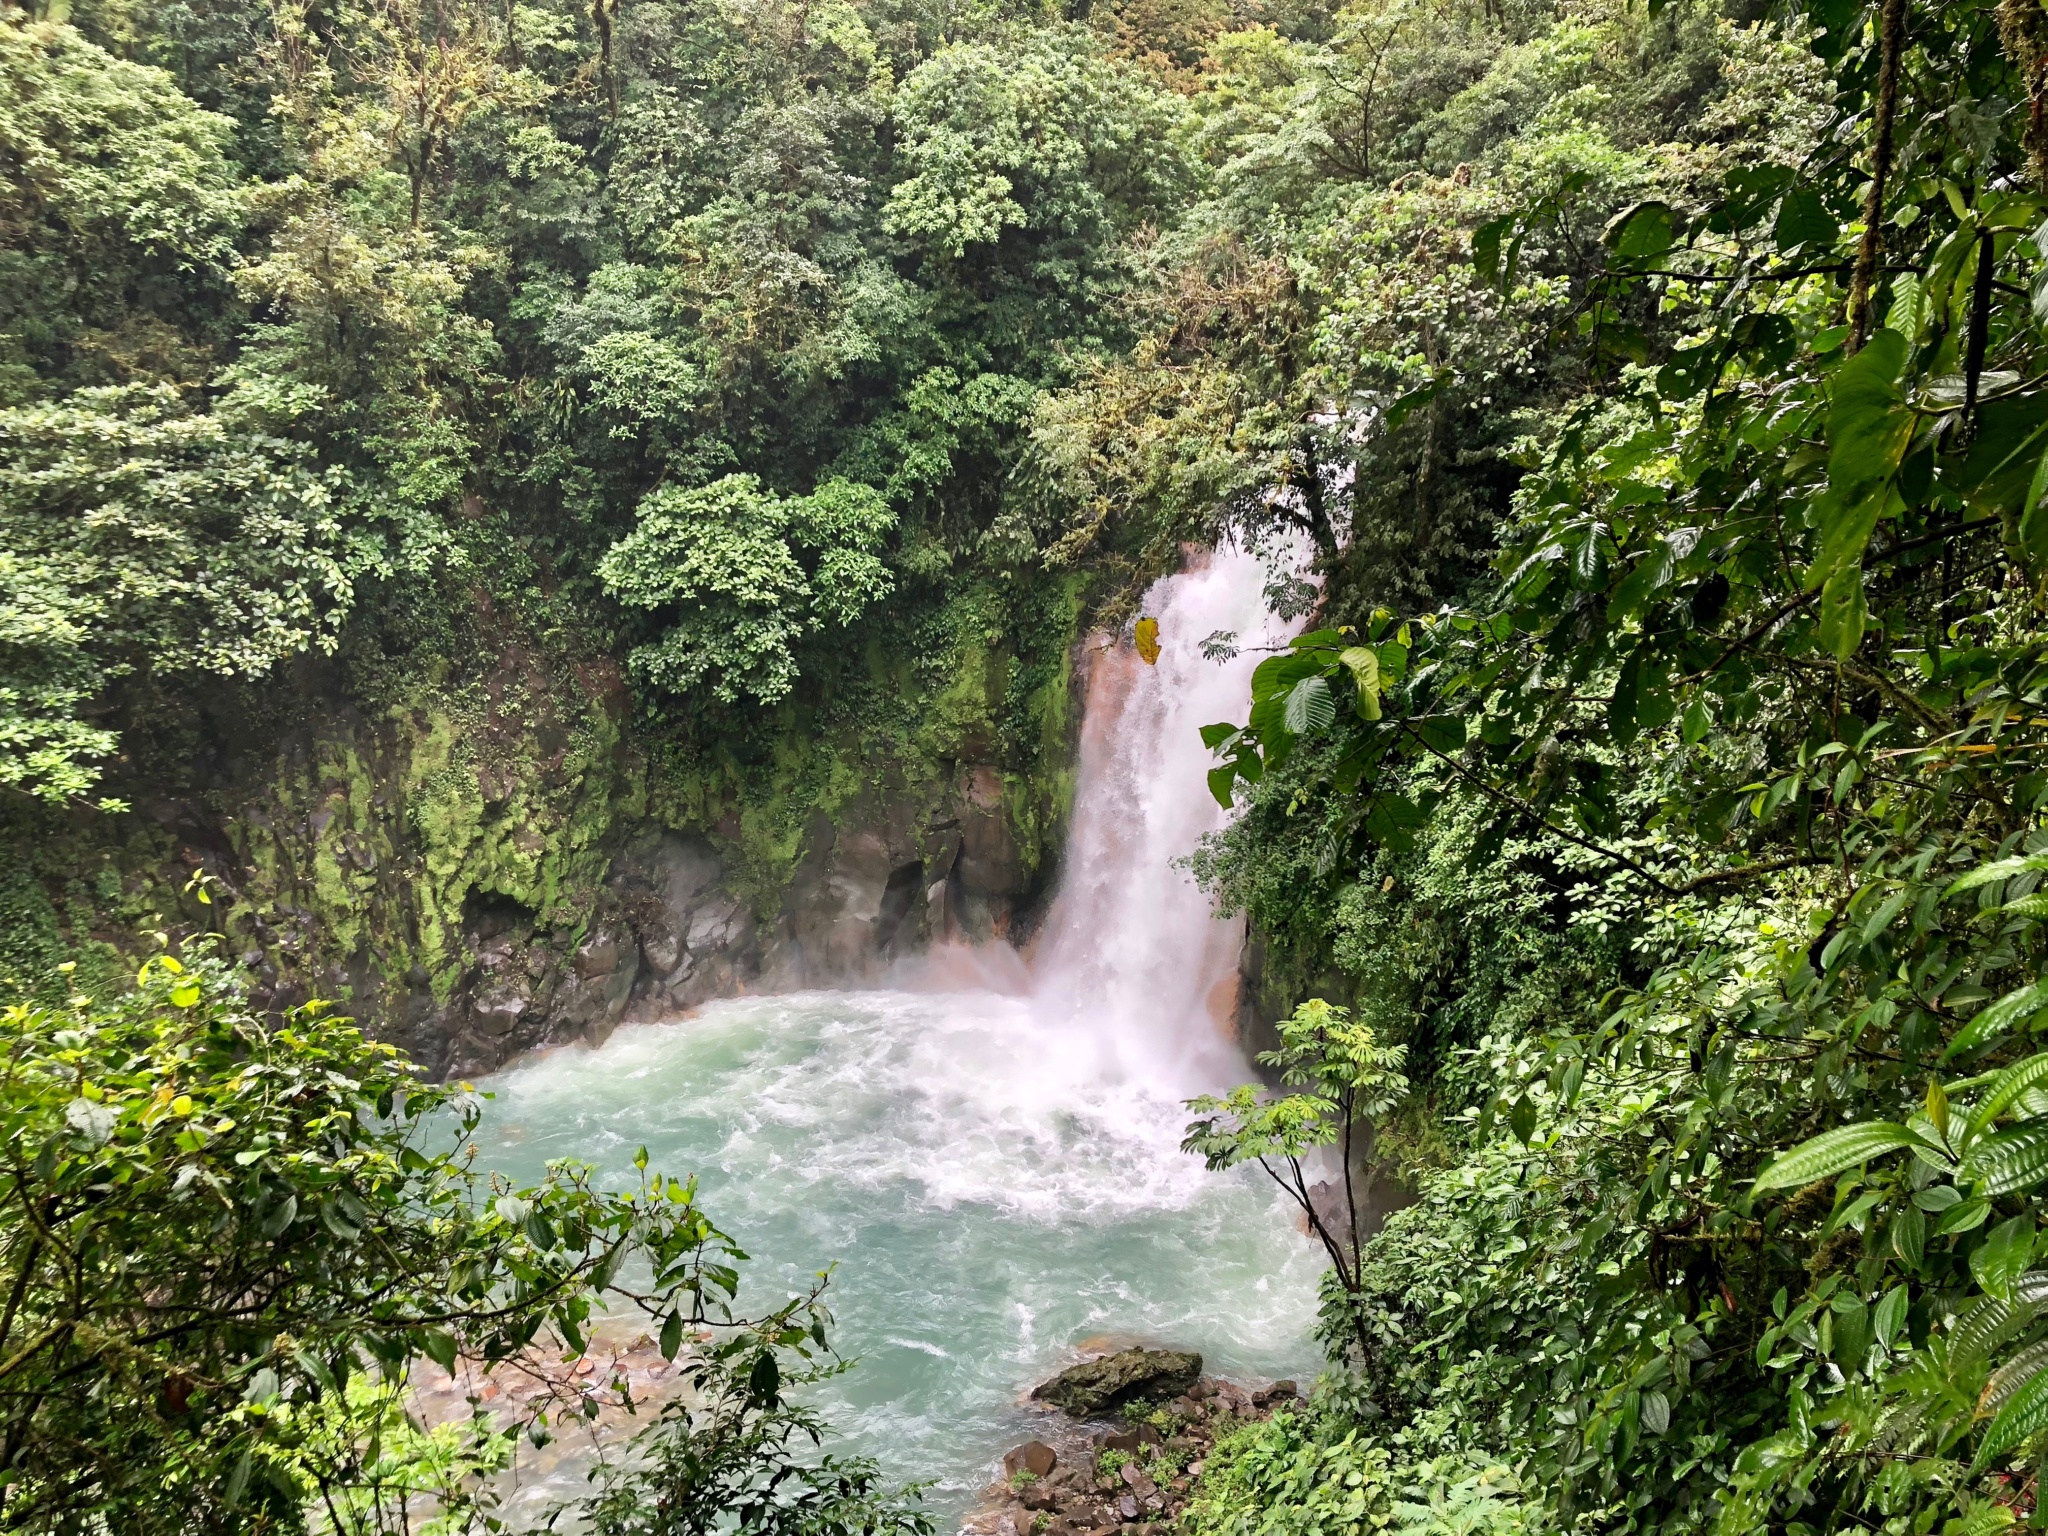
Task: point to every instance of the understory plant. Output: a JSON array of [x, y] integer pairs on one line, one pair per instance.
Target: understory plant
[[229, 1246], [1350, 1081]]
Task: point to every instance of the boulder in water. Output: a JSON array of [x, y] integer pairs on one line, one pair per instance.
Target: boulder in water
[[1130, 1375]]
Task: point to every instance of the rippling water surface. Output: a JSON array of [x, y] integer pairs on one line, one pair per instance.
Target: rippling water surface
[[993, 1191]]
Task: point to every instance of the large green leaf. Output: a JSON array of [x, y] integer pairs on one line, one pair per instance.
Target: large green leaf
[[1844, 614], [2033, 528], [2022, 1417], [1998, 869], [1869, 423], [1990, 1023], [1443, 733], [1364, 666], [1393, 819], [1652, 573], [1983, 1326], [1274, 676], [2018, 1159], [1889, 1315], [2002, 1257], [1803, 219], [1832, 1151], [1645, 229], [1486, 242], [2004, 1090], [1996, 474], [2011, 1376], [1625, 703], [1310, 707]]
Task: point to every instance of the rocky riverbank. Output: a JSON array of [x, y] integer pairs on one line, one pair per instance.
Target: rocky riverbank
[[1125, 1437]]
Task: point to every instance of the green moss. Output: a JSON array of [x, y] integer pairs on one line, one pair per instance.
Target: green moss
[[31, 938], [467, 748]]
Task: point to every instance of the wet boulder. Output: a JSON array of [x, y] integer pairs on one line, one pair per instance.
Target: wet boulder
[[1130, 1441], [1131, 1375]]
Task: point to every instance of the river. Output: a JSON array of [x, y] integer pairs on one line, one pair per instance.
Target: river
[[988, 1151]]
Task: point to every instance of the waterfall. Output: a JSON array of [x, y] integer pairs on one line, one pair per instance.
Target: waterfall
[[1131, 956], [991, 1152]]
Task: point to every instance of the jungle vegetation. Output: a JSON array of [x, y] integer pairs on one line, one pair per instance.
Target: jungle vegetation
[[232, 1241], [1661, 777], [1650, 820]]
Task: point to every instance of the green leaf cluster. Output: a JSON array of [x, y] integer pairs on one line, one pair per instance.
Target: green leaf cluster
[[751, 573], [226, 1246], [1731, 1220]]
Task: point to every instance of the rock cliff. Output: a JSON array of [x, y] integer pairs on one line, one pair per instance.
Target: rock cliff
[[478, 861]]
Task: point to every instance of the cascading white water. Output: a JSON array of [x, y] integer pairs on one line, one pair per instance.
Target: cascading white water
[[1131, 947], [996, 1171]]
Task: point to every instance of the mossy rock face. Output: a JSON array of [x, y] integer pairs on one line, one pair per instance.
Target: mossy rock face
[[476, 841], [1131, 1375]]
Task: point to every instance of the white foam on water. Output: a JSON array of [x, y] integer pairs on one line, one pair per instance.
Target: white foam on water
[[995, 1168]]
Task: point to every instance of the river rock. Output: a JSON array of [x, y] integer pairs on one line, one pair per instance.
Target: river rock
[[1129, 1440], [1033, 1456], [1130, 1375]]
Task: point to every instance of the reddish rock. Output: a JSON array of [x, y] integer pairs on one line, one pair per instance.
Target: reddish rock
[[1033, 1456]]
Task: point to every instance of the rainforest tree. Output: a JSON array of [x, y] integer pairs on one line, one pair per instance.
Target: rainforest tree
[[306, 296]]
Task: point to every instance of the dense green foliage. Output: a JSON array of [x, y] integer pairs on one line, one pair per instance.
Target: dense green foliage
[[1730, 1190], [1658, 389], [735, 313], [225, 1247], [726, 549], [377, 387]]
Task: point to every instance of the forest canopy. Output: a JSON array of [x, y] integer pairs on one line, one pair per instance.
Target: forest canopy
[[300, 294]]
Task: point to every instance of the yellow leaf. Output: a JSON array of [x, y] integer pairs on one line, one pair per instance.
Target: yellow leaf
[[1364, 665], [1147, 637], [186, 995]]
